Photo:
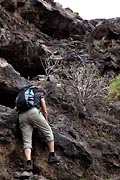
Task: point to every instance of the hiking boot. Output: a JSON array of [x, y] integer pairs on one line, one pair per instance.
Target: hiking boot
[[28, 165], [26, 175], [34, 177], [17, 175], [54, 159]]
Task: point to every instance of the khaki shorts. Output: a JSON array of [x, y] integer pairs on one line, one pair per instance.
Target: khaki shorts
[[30, 119]]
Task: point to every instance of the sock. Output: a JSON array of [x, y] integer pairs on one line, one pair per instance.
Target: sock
[[52, 154], [29, 162]]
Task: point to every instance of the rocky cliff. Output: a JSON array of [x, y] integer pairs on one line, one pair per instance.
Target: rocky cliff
[[75, 61]]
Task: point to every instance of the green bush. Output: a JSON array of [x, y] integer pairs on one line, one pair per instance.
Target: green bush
[[114, 91]]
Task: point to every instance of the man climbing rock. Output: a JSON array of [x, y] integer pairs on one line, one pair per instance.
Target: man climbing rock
[[34, 116]]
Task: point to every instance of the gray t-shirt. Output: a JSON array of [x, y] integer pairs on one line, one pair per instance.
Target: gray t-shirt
[[38, 97]]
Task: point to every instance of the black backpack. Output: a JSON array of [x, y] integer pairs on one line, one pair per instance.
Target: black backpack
[[25, 99]]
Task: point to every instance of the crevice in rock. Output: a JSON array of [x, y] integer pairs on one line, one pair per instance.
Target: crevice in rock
[[7, 97], [27, 68]]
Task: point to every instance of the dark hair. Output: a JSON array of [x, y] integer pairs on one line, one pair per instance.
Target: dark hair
[[40, 89]]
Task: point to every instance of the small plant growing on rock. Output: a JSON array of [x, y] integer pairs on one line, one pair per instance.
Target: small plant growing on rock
[[75, 14], [114, 91]]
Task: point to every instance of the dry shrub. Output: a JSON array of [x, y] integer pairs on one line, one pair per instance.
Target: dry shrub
[[90, 87]]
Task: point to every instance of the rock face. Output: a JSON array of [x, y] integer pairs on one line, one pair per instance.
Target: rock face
[[74, 60]]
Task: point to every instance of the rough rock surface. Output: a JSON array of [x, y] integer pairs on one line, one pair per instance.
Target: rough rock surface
[[74, 60]]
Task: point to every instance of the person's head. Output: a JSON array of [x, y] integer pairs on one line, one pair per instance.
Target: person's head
[[38, 88]]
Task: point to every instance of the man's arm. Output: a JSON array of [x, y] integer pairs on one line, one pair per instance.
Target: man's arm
[[44, 108]]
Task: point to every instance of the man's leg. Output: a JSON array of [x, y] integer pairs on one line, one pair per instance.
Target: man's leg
[[52, 156], [41, 123], [51, 146], [28, 164], [27, 153], [27, 130]]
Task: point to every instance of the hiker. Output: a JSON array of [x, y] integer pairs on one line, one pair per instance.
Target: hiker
[[36, 117]]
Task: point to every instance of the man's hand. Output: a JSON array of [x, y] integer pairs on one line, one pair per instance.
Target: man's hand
[[14, 2], [15, 108], [44, 108], [46, 115]]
